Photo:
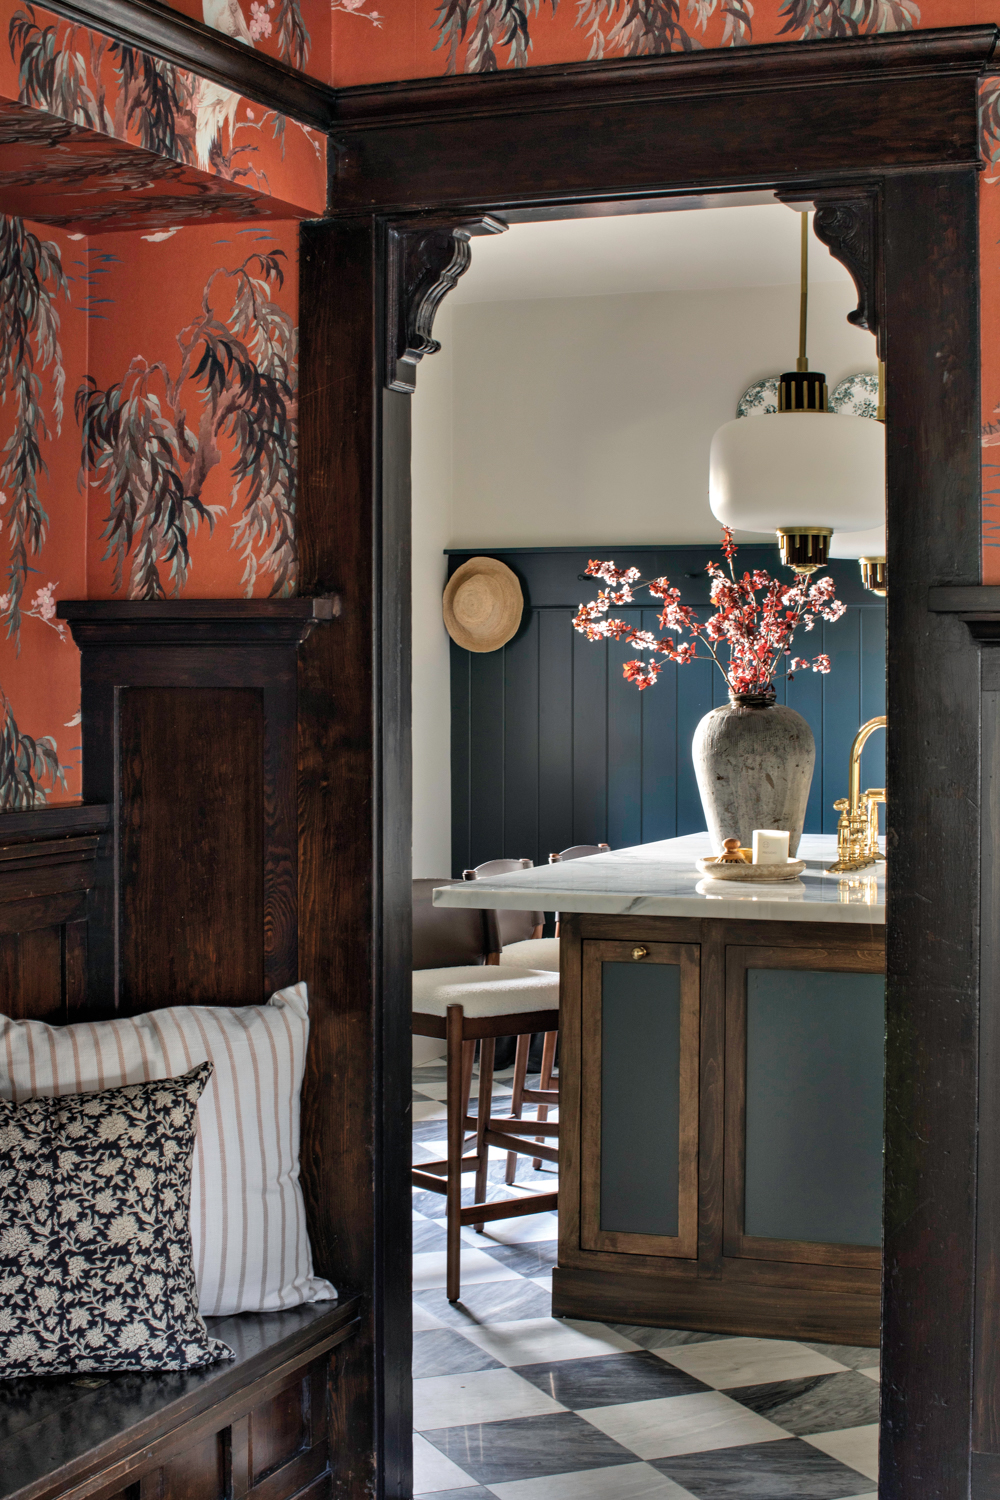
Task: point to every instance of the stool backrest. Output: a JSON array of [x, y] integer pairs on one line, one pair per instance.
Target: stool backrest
[[578, 851], [512, 926], [445, 937]]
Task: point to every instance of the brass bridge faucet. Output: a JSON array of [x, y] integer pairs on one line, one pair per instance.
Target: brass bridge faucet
[[857, 831]]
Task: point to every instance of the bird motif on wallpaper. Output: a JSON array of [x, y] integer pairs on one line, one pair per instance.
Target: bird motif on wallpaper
[[214, 105]]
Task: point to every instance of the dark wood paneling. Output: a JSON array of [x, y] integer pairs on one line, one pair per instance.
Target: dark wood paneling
[[656, 125], [986, 1419], [49, 868], [551, 746], [280, 1429], [933, 459], [204, 772], [198, 1473], [354, 837], [192, 846], [31, 975]]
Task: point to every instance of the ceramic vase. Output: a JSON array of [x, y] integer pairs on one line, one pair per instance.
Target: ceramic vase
[[754, 762]]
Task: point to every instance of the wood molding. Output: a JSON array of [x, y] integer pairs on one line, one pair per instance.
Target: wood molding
[[207, 622], [652, 127], [425, 261], [576, 86], [978, 606], [178, 39], [846, 222]]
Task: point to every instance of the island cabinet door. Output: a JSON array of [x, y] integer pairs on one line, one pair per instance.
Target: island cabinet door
[[805, 1043], [639, 1098]]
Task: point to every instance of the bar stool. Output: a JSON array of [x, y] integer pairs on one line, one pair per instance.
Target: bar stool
[[539, 953], [460, 996]]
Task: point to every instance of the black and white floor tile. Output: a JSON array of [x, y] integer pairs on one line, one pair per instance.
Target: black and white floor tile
[[512, 1404]]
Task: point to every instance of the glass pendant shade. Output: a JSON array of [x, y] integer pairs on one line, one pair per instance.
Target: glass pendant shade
[[859, 543], [869, 549], [798, 471]]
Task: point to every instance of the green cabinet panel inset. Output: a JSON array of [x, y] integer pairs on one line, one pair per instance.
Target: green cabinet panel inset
[[814, 1102], [640, 1097]]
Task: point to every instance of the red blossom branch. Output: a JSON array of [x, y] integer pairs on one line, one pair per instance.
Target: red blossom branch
[[756, 617]]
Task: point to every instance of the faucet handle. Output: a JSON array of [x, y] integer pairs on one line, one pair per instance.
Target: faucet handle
[[841, 805]]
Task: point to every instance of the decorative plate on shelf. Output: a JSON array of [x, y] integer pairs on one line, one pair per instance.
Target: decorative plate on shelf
[[856, 396], [759, 399]]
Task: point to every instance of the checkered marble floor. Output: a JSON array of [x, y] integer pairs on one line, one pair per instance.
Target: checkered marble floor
[[512, 1403]]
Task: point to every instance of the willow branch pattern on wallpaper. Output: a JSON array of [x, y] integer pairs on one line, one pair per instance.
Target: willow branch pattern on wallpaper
[[178, 473], [139, 449], [89, 80], [640, 28], [32, 283]]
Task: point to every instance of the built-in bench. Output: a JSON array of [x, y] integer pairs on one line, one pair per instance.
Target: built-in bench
[[257, 1426]]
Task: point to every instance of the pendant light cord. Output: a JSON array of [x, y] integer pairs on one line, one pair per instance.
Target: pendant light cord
[[802, 363]]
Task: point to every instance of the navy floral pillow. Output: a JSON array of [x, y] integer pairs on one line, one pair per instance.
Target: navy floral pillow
[[95, 1238]]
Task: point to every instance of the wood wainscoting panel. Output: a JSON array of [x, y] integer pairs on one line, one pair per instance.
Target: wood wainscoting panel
[[199, 1472], [49, 870], [189, 731], [192, 845]]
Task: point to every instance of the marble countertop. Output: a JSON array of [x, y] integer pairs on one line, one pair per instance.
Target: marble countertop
[[660, 880]]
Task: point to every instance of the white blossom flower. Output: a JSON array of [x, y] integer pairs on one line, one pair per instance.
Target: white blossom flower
[[25, 1346], [112, 1127], [14, 1240], [122, 1229], [134, 1336]]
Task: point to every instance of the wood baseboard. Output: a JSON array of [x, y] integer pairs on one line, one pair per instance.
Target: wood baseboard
[[709, 1306]]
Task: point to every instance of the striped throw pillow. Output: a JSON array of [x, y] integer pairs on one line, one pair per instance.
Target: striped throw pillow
[[250, 1245]]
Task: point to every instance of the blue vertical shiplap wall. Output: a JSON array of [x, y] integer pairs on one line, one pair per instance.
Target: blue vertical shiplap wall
[[551, 746]]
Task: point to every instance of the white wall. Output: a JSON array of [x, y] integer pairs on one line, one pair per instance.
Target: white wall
[[589, 419], [431, 477]]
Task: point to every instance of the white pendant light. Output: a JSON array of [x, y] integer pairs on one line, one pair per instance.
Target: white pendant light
[[804, 472], [869, 549]]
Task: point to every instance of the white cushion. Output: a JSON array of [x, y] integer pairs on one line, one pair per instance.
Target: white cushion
[[248, 1225], [532, 953], [484, 990]]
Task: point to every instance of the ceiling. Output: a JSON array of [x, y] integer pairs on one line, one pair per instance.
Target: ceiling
[[707, 249]]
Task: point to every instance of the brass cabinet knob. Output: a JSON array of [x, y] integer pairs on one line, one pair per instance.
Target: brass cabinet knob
[[638, 953]]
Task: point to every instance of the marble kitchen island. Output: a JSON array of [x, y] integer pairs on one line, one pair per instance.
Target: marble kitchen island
[[721, 1080]]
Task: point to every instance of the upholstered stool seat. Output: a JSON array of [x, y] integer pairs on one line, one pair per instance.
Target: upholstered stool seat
[[532, 953], [485, 990]]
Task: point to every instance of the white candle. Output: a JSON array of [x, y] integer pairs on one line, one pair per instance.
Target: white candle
[[770, 846]]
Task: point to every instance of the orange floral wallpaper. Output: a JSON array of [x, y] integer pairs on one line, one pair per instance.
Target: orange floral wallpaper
[[148, 448], [194, 144]]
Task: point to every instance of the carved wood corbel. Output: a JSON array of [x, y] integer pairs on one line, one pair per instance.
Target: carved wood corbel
[[846, 222], [426, 259]]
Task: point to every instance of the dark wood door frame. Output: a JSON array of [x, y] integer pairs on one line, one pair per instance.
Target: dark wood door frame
[[881, 135]]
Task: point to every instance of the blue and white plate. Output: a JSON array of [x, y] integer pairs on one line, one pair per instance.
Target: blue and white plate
[[857, 396], [760, 399]]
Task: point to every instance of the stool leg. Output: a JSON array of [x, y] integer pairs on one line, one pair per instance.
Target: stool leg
[[468, 1059], [548, 1062], [517, 1099], [456, 1139], [487, 1048]]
